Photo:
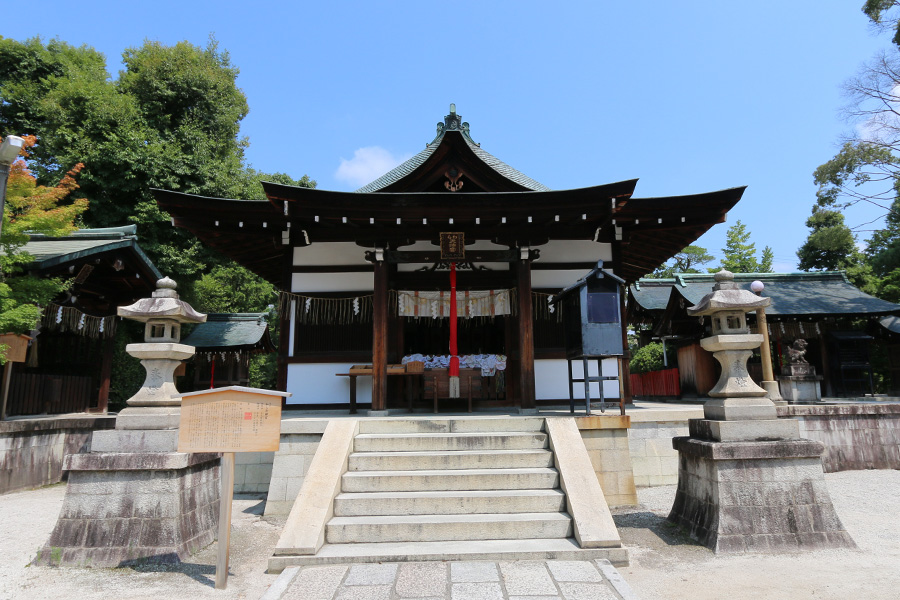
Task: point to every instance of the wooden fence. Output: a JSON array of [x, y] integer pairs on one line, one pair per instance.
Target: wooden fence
[[39, 393], [662, 384]]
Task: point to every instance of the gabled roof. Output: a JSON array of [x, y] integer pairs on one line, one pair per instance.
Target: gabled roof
[[231, 331], [793, 294], [49, 252], [453, 137], [107, 267]]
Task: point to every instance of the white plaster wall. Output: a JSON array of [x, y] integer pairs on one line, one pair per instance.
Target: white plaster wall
[[363, 283], [556, 279], [316, 383], [330, 253], [575, 251], [551, 379]]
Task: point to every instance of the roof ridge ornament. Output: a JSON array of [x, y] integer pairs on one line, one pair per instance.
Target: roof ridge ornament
[[453, 122]]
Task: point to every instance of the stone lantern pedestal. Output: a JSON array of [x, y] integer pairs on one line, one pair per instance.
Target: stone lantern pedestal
[[746, 481], [134, 498]]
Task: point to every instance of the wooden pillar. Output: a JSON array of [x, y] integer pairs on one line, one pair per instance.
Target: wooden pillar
[[285, 322], [526, 334], [625, 370], [379, 336], [108, 348]]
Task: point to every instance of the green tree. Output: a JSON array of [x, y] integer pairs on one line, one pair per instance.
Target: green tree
[[685, 261], [740, 253], [235, 289], [882, 13], [830, 244], [170, 120], [31, 208]]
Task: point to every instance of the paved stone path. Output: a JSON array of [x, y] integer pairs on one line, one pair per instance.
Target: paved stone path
[[476, 580]]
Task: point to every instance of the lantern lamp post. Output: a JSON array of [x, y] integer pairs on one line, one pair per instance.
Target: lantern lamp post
[[9, 150], [768, 383]]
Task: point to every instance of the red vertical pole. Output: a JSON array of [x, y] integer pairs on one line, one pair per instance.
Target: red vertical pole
[[212, 371], [454, 358]]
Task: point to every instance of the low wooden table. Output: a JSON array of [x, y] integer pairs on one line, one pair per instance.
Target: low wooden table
[[366, 371]]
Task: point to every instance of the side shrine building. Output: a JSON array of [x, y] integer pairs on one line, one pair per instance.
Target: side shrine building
[[364, 281]]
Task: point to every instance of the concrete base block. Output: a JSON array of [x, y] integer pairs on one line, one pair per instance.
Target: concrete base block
[[744, 431], [755, 496], [147, 417], [773, 393], [738, 409], [125, 509], [124, 440]]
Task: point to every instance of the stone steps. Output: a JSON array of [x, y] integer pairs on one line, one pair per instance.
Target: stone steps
[[460, 479], [460, 459], [426, 442], [535, 549], [467, 502], [451, 425], [432, 528], [449, 489]]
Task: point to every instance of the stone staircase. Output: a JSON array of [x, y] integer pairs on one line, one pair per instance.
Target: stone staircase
[[449, 489]]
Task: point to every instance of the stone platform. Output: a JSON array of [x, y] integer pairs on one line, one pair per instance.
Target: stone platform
[[755, 496], [126, 508]]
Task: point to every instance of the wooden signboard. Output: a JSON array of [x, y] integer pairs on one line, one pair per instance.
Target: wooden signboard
[[453, 245], [228, 420]]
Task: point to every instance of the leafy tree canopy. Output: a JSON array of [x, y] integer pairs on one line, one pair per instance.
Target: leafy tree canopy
[[740, 253], [31, 208], [685, 261], [170, 120]]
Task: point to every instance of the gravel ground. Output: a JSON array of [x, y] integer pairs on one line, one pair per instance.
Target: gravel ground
[[30, 517], [664, 564], [667, 565]]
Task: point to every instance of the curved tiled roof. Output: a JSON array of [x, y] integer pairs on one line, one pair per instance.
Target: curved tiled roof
[[399, 172], [793, 294], [452, 120]]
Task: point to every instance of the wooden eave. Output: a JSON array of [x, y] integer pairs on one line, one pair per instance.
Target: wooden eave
[[249, 232], [650, 230], [654, 229], [513, 218]]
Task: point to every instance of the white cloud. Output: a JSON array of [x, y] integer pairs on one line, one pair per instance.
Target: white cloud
[[367, 165]]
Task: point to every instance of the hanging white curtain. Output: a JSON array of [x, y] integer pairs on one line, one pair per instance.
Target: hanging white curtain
[[480, 303]]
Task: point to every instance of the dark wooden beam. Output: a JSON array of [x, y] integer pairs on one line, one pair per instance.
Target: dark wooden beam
[[526, 334], [379, 337], [434, 256]]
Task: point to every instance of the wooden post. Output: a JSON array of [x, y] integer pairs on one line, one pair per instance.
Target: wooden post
[[526, 334], [105, 373], [226, 495], [7, 375], [285, 322], [379, 337]]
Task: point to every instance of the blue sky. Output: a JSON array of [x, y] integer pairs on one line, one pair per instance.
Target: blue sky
[[689, 96]]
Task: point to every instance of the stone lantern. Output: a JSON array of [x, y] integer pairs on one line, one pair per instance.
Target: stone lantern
[[154, 406], [735, 396], [746, 481], [144, 501]]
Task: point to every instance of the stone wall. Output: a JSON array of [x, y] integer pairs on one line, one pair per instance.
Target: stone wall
[[606, 441], [856, 436], [299, 441], [32, 450], [653, 459], [252, 472]]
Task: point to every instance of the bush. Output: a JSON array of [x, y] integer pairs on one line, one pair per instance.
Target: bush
[[649, 358]]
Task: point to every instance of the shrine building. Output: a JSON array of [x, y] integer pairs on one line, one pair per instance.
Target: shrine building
[[364, 277]]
